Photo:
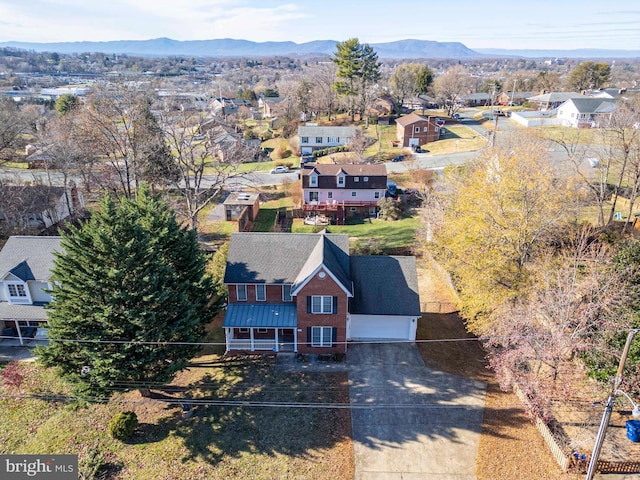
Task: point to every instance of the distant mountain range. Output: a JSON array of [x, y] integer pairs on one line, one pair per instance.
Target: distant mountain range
[[244, 48]]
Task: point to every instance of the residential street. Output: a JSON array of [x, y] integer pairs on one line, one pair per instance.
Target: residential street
[[421, 424]]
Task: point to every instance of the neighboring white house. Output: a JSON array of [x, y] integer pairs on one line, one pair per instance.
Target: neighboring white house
[[313, 137], [26, 263], [586, 112]]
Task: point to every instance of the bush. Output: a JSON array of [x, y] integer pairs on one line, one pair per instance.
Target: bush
[[122, 425]]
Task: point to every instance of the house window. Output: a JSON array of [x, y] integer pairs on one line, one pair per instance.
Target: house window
[[241, 293], [243, 330], [329, 194], [322, 336], [353, 194], [356, 179], [417, 130], [313, 181], [333, 139], [341, 181], [376, 194], [321, 304], [261, 292], [286, 293], [16, 290], [262, 330], [365, 179], [318, 139], [313, 196], [304, 139], [426, 129]]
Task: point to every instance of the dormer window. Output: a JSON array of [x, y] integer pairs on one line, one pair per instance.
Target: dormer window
[[313, 180], [356, 179], [341, 180], [18, 293], [16, 290]]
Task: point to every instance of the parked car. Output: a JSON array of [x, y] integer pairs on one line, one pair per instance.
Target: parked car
[[306, 158], [398, 158], [457, 116], [593, 162], [280, 169]]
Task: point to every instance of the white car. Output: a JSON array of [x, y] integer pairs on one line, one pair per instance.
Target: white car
[[279, 170]]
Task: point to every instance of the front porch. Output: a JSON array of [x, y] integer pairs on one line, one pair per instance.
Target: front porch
[[261, 340], [262, 327]]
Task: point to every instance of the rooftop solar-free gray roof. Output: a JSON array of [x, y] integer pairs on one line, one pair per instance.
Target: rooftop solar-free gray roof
[[22, 312], [35, 252], [385, 285], [261, 315], [277, 258]]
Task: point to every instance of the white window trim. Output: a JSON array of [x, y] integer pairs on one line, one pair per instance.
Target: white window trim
[[323, 342], [341, 180], [354, 194], [356, 179], [242, 286], [284, 297], [243, 330], [18, 299], [263, 330], [313, 180], [322, 305], [264, 289]]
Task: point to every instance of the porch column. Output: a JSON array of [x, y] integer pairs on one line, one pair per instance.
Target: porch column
[[276, 336], [251, 337], [295, 339], [227, 332], [19, 332]]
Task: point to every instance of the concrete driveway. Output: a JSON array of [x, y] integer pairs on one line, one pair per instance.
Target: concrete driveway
[[409, 422]]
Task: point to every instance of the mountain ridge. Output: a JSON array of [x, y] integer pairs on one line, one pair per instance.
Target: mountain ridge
[[228, 47]]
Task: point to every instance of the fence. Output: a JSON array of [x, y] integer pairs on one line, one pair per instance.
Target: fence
[[558, 452]]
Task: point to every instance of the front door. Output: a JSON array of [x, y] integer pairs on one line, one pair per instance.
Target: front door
[[313, 196]]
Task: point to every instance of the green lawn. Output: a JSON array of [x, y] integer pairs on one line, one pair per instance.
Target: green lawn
[[268, 211], [218, 441], [569, 135], [391, 235], [457, 138]]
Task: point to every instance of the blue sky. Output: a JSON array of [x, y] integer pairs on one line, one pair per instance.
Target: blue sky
[[558, 24]]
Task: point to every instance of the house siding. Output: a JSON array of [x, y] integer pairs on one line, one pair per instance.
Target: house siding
[[322, 286]]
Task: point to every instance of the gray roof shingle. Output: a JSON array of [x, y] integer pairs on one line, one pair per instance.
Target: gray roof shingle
[[385, 285], [277, 258], [29, 257]]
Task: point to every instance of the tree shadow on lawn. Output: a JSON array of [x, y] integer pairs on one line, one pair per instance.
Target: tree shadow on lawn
[[217, 431]]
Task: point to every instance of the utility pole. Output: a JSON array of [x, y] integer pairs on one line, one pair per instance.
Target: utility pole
[[604, 423]]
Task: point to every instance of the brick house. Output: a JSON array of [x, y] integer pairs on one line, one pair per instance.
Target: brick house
[[415, 130], [304, 293], [342, 191]]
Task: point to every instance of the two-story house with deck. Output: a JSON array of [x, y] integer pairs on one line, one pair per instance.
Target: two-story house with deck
[[26, 263], [342, 191], [304, 293], [314, 137]]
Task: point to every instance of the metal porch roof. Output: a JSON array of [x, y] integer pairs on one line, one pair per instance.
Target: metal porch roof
[[264, 315]]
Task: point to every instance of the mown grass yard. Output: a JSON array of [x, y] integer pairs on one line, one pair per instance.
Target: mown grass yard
[[220, 440]]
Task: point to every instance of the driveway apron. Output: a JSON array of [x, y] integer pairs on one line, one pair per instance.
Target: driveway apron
[[410, 422]]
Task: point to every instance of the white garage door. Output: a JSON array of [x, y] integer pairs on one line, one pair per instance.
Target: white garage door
[[365, 327]]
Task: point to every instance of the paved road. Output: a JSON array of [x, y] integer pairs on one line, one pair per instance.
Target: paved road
[[409, 422]]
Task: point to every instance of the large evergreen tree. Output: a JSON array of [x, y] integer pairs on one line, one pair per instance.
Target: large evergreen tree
[[358, 69], [130, 275]]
